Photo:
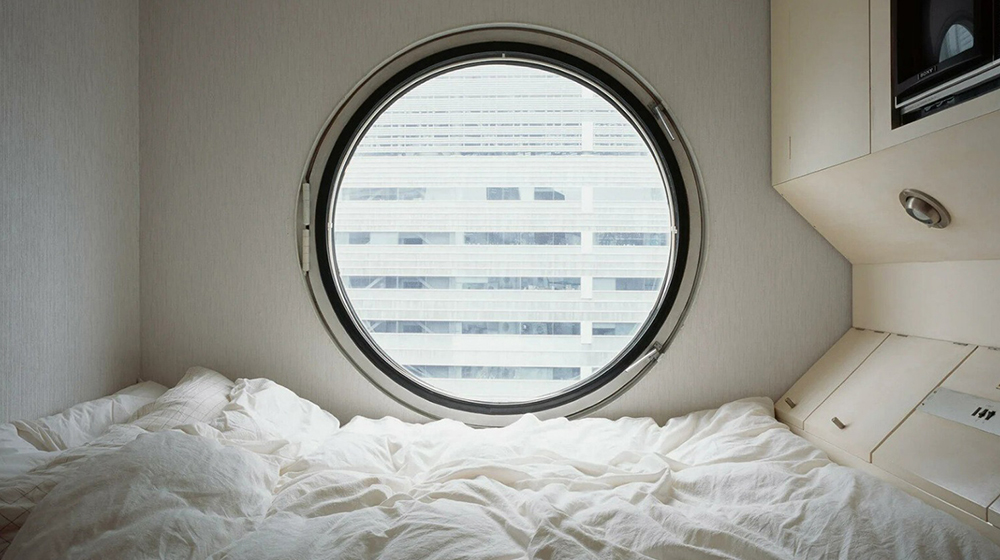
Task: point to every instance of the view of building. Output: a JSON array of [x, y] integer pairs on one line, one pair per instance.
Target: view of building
[[502, 232]]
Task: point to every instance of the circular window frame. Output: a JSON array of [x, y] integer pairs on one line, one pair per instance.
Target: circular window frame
[[348, 123]]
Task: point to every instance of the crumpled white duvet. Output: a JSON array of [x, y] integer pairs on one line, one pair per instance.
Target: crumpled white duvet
[[728, 483]]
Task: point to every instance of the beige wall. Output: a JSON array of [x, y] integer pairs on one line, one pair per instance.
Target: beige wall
[[233, 95], [69, 202]]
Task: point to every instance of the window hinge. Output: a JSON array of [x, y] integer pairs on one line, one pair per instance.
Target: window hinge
[[648, 359], [304, 257]]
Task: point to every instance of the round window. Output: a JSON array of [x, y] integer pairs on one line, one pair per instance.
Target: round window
[[508, 227]]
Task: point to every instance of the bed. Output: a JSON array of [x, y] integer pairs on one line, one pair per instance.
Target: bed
[[248, 470]]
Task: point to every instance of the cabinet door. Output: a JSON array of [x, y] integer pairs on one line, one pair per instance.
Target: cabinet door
[[955, 463], [883, 391], [826, 375], [820, 99], [947, 459]]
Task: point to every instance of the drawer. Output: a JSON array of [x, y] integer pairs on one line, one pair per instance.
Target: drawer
[[956, 463], [994, 514], [826, 375], [882, 391]]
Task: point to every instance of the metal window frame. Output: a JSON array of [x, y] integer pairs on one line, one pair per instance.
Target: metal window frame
[[543, 46]]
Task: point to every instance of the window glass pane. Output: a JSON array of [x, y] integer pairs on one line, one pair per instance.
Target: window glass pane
[[503, 193], [548, 193], [630, 238], [502, 302]]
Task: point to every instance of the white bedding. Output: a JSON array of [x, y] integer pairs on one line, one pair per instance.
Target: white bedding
[[275, 477], [25, 445]]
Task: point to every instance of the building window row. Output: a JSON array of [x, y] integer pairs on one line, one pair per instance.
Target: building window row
[[496, 327], [472, 194], [497, 283], [461, 283], [627, 284], [495, 372], [449, 193], [620, 239], [522, 238], [632, 239]]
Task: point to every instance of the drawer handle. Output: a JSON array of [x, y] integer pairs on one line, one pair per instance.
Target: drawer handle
[[790, 402], [836, 422]]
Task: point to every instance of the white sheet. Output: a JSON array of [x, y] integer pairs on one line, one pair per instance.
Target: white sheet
[[25, 445], [81, 423], [186, 496], [17, 455], [730, 483]]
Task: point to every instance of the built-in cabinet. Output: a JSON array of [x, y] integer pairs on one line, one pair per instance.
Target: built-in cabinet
[[826, 375], [819, 85], [865, 409], [874, 401], [840, 162], [921, 413]]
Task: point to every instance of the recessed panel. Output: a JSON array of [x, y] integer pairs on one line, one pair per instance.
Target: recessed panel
[[957, 463], [949, 447], [979, 375], [826, 375], [883, 390]]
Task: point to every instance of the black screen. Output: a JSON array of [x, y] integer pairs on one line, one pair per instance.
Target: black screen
[[933, 35]]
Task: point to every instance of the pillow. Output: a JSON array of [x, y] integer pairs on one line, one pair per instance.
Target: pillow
[[262, 409], [199, 397], [81, 423]]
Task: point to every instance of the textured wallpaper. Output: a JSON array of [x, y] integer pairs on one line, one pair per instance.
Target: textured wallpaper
[[69, 202]]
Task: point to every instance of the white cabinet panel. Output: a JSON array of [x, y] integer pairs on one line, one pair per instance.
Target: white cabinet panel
[[962, 295], [876, 398], [826, 375], [855, 206], [959, 464], [955, 462], [819, 85], [979, 375]]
